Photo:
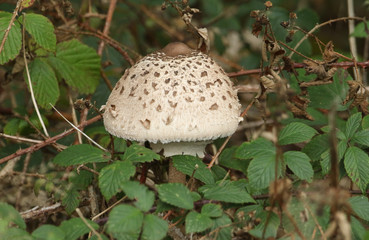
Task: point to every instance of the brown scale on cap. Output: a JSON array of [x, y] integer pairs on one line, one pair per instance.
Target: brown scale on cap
[[176, 48]]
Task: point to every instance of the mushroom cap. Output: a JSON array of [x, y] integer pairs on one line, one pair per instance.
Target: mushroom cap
[[173, 95]]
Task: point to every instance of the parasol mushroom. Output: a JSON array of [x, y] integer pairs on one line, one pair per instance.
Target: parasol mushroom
[[177, 98]]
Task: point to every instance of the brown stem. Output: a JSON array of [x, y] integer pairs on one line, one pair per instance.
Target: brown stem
[[109, 17], [48, 141]]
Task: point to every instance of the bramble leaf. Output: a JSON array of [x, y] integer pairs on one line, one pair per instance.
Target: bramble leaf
[[48, 232], [154, 228], [138, 153], [75, 227], [296, 132], [189, 164], [13, 43], [361, 137], [125, 222], [44, 83], [10, 215], [211, 210], [196, 222], [257, 148], [77, 64], [300, 164], [112, 176], [360, 205], [357, 166], [352, 124], [80, 154], [136, 191], [41, 29], [261, 171], [70, 200], [229, 191], [175, 194]]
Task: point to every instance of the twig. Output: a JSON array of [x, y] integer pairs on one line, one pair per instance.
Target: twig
[[74, 116], [106, 80], [314, 83], [20, 139], [107, 24], [87, 223], [37, 175], [171, 31], [108, 209], [351, 26], [314, 218], [36, 212], [321, 25], [300, 65], [30, 82], [116, 45], [7, 31], [84, 134], [48, 141]]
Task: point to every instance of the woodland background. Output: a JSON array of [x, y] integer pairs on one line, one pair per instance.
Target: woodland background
[[297, 168]]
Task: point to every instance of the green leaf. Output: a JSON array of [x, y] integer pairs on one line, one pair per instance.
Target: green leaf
[[14, 126], [15, 233], [300, 165], [75, 228], [175, 194], [196, 222], [271, 229], [154, 228], [80, 179], [360, 205], [138, 153], [316, 146], [211, 210], [10, 215], [257, 148], [352, 124], [222, 228], [77, 64], [326, 156], [296, 132], [125, 222], [361, 137], [359, 30], [357, 229], [112, 176], [187, 165], [357, 166], [13, 43], [227, 159], [229, 191], [261, 171], [324, 96], [71, 200], [365, 122], [48, 232], [41, 29], [144, 198], [80, 154], [44, 83]]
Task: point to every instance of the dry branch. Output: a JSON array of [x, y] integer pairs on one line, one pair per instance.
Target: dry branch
[[48, 141]]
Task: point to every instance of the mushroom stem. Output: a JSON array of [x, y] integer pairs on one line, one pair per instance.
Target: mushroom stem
[[175, 176], [181, 148]]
